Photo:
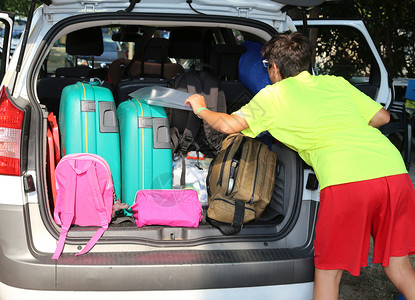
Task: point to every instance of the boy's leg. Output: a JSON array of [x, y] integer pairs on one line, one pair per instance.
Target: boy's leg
[[402, 275], [326, 284]]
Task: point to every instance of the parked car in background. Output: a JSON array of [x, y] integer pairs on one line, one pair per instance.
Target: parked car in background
[[13, 38], [2, 29], [2, 33], [272, 259], [16, 35]]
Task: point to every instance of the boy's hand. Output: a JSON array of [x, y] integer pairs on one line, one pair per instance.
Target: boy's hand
[[196, 101]]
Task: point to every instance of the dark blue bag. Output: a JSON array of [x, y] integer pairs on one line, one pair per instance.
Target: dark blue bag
[[252, 72]]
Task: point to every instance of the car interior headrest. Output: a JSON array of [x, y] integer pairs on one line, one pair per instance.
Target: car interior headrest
[[186, 43], [87, 41], [128, 33], [156, 50], [224, 59]]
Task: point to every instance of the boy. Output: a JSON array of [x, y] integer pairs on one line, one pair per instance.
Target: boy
[[365, 188]]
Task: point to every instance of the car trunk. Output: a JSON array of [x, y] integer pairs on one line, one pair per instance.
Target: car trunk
[[123, 231]]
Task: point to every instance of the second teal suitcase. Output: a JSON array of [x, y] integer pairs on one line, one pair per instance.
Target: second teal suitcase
[[146, 154], [88, 124]]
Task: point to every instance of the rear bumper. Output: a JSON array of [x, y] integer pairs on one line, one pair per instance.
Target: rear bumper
[[300, 291], [25, 268]]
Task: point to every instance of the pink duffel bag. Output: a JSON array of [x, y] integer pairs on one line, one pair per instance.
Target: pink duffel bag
[[178, 208]]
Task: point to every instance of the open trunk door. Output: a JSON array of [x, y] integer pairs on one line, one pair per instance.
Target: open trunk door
[[6, 26], [268, 11], [345, 48]]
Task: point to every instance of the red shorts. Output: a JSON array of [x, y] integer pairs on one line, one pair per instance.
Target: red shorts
[[349, 213]]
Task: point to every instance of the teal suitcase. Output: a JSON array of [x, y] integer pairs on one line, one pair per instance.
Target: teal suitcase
[[146, 154], [88, 124]]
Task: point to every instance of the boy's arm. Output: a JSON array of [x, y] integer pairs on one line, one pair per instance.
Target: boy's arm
[[382, 117], [221, 122]]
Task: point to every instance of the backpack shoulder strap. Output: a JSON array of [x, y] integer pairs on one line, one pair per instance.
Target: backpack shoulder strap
[[237, 223], [185, 141], [210, 140], [210, 89], [194, 85], [67, 213], [99, 204], [181, 144]]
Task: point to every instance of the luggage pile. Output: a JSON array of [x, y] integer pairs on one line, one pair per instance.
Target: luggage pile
[[138, 142]]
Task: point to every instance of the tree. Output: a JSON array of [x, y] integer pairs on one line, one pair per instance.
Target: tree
[[391, 24], [20, 7]]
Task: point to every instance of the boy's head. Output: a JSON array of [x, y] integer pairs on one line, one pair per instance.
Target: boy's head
[[290, 52]]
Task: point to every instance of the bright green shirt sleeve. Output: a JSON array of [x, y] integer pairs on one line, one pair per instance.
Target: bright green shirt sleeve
[[366, 106]]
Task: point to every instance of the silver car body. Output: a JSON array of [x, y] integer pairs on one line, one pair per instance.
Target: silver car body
[[276, 264]]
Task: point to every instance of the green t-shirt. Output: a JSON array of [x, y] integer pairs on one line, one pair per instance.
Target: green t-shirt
[[325, 119]]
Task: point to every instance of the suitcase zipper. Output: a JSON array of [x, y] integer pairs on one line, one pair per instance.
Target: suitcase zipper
[[234, 165], [251, 200], [223, 161]]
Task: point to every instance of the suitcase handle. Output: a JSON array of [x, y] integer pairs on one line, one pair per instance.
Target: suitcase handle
[[107, 117]]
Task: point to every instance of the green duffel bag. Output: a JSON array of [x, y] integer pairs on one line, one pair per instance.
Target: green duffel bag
[[240, 182]]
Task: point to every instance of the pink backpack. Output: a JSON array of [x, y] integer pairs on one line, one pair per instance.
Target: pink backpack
[[85, 195]]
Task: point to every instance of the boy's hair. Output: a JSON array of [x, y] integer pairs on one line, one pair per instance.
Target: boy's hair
[[291, 52]]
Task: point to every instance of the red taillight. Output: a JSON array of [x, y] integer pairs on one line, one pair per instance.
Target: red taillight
[[11, 124]]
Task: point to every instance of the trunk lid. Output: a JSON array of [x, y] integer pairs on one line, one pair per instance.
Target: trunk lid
[[265, 9]]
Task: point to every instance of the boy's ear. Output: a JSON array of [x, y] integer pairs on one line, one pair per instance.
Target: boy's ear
[[274, 68], [275, 74]]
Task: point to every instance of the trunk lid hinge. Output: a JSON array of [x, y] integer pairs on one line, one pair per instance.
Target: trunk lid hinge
[[244, 11], [49, 17], [89, 6]]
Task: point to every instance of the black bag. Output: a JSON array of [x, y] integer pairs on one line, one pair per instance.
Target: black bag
[[187, 132], [189, 127]]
